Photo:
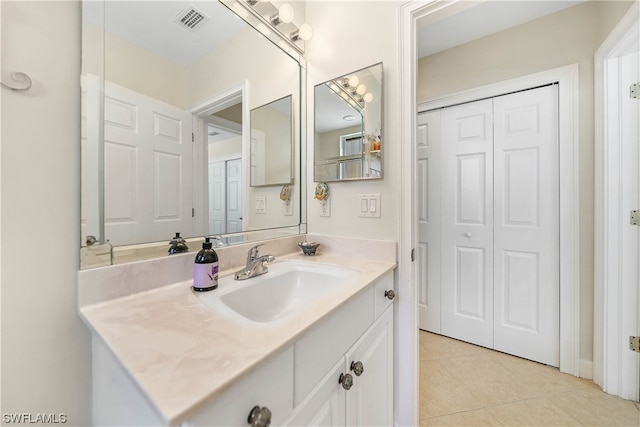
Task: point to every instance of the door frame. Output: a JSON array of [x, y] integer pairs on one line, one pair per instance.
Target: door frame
[[407, 320], [615, 310], [567, 77], [233, 95]]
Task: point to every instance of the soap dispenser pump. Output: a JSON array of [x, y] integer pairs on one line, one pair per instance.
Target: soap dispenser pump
[[178, 245], [205, 271]]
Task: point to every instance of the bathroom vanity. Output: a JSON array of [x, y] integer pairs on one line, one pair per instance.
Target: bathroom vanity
[[167, 356]]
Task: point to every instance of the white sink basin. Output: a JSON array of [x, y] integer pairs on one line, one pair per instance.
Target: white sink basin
[[288, 288]]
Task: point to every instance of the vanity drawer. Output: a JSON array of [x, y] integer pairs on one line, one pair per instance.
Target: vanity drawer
[[270, 385], [318, 350], [383, 289]]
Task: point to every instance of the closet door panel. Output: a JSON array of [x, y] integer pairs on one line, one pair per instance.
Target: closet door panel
[[526, 225], [467, 222], [428, 249]]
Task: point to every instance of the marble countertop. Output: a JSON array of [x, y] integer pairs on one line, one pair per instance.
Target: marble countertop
[[182, 354]]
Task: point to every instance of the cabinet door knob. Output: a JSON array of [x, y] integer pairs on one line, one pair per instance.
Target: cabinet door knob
[[259, 417], [357, 368], [346, 380], [390, 294]]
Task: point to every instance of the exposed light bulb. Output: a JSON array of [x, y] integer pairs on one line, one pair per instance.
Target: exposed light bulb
[[285, 13], [353, 81], [305, 32], [361, 89], [368, 97]]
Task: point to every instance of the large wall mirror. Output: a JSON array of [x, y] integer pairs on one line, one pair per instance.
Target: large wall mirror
[[348, 141], [167, 123]]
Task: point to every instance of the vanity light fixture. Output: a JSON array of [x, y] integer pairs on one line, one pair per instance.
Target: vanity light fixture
[[361, 89], [284, 15], [304, 33], [368, 97], [279, 19]]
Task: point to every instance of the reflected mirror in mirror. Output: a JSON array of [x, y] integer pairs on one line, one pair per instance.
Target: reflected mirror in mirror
[[271, 148], [159, 96], [348, 141]]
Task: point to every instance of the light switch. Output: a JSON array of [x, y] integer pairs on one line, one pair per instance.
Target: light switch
[[373, 206], [369, 205], [261, 205], [364, 204]]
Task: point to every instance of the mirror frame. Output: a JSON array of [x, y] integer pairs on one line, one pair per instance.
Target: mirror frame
[[158, 249]]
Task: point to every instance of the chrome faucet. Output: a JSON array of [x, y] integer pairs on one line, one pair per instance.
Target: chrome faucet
[[255, 264]]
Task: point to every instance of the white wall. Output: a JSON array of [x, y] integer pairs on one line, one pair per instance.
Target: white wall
[[348, 36], [566, 37], [45, 345]]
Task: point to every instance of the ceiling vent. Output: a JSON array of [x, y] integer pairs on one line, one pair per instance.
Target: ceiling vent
[[191, 18]]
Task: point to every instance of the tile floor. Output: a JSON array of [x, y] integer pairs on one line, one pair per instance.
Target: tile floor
[[465, 385]]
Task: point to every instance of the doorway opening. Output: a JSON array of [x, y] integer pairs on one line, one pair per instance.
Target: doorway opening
[[221, 139]]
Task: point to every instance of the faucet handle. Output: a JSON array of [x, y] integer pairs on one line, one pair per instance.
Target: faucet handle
[[253, 252]]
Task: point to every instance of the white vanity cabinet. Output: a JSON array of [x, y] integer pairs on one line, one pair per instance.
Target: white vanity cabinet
[[270, 387], [299, 385], [357, 388]]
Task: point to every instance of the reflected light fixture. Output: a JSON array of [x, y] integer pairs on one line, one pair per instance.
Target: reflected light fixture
[[361, 89], [368, 97], [353, 81]]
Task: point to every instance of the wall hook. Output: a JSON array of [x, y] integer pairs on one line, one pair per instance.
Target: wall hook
[[24, 81]]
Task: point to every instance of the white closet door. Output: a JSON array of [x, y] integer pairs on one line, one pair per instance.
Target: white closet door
[[234, 196], [526, 225], [218, 197], [428, 250], [467, 222]]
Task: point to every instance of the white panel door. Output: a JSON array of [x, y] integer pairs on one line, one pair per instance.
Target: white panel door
[[428, 249], [218, 197], [526, 225], [467, 222], [234, 196], [148, 168]]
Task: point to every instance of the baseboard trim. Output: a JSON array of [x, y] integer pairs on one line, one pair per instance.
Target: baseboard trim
[[586, 369]]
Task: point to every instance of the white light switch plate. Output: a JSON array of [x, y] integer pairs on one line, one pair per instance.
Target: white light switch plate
[[261, 205], [369, 205], [288, 208], [325, 208]]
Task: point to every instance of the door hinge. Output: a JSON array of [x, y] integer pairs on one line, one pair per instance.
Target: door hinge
[[634, 91], [634, 344], [635, 218], [193, 212], [413, 254]]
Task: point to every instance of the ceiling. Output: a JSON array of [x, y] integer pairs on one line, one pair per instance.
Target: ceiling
[[479, 19], [151, 25]]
